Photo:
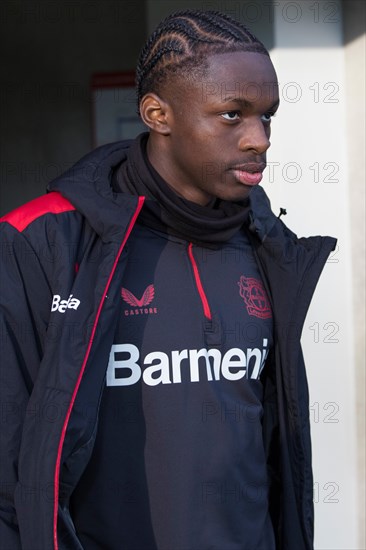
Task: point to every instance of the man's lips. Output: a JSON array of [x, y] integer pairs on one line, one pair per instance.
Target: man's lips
[[249, 173]]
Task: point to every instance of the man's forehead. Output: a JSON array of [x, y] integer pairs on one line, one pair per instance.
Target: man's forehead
[[242, 93], [243, 76]]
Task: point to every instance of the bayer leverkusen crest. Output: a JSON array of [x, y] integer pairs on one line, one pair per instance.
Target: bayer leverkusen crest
[[255, 297]]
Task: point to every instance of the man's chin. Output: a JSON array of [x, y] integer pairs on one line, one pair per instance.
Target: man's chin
[[237, 195]]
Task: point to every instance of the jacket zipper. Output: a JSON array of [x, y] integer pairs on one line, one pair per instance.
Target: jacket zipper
[[86, 357], [201, 292]]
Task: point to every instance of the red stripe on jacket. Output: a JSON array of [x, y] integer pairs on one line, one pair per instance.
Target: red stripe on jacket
[[52, 203], [83, 366]]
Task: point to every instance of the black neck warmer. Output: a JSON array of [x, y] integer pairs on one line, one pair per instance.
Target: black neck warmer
[[166, 211]]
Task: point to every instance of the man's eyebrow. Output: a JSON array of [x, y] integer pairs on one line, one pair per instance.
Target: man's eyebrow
[[276, 104], [246, 102], [235, 99]]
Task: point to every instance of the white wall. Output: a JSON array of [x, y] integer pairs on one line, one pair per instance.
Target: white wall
[[355, 53], [312, 182]]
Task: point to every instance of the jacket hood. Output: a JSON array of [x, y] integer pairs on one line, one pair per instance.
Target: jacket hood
[[87, 185]]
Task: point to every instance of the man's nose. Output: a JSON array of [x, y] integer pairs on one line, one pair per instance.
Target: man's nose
[[254, 136]]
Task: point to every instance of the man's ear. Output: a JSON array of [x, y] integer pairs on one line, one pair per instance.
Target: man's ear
[[154, 112]]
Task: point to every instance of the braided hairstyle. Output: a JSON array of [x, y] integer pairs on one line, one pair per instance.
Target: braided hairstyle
[[182, 42]]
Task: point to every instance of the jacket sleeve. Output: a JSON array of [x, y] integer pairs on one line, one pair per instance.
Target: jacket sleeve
[[23, 285]]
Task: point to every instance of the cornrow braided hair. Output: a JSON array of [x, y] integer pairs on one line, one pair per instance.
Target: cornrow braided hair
[[182, 43]]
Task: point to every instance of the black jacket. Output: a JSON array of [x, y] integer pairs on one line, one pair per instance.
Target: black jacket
[[63, 256]]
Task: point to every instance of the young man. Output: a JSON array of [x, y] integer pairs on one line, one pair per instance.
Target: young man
[[152, 379]]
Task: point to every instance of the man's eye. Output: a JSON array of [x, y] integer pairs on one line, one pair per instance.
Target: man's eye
[[231, 115], [267, 117]]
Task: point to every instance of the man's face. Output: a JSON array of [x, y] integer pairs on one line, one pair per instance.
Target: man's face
[[219, 128]]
